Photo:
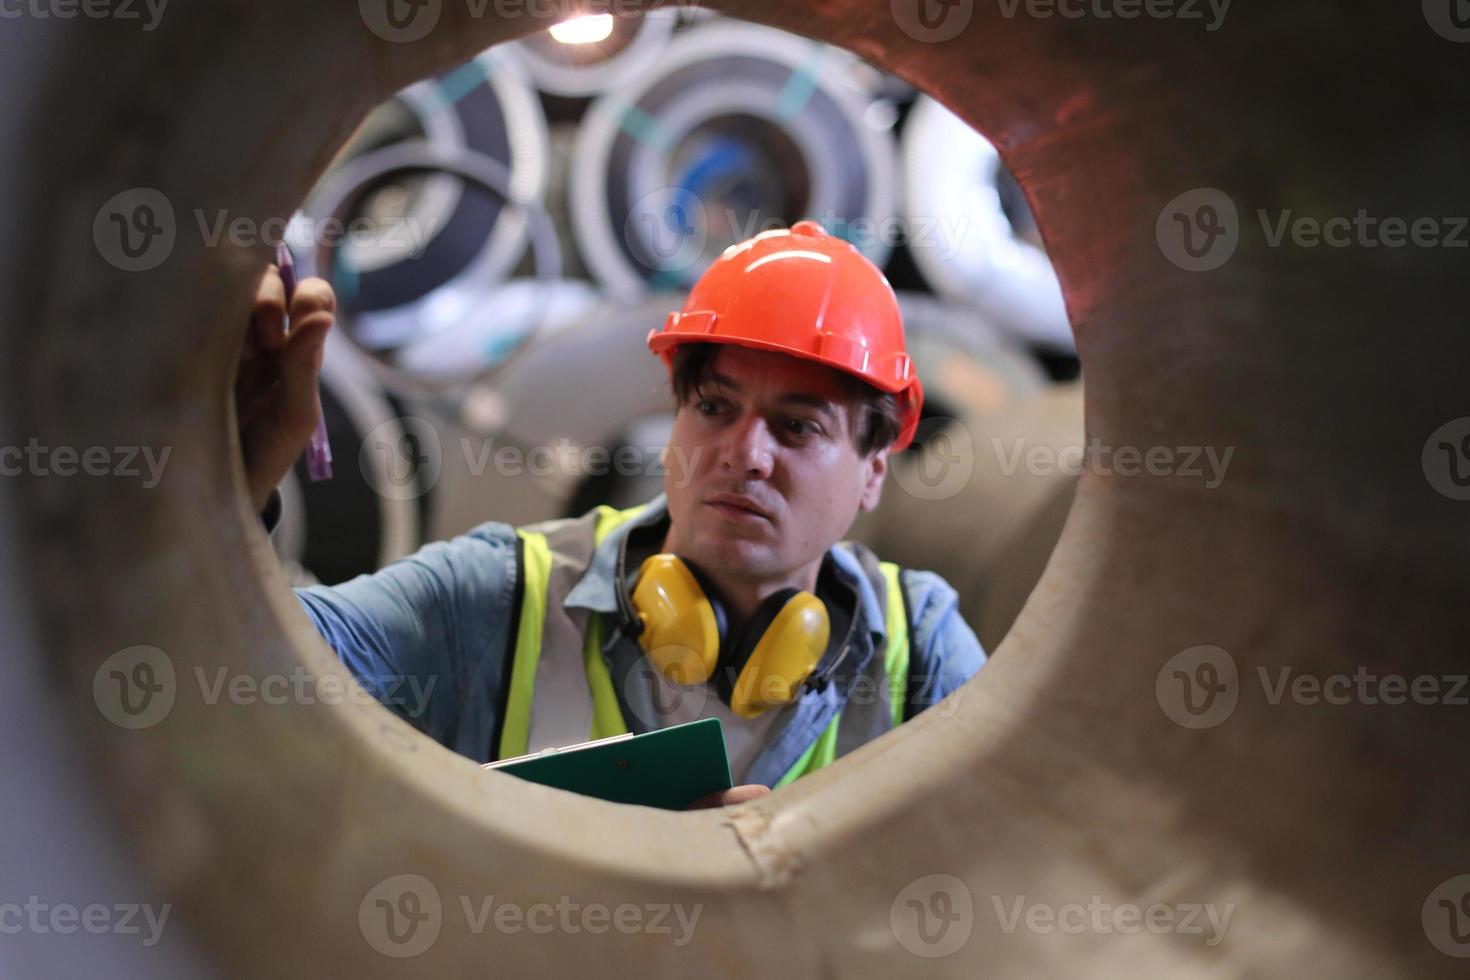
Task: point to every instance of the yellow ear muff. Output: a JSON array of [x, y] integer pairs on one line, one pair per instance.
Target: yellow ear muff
[[680, 635], [788, 651]]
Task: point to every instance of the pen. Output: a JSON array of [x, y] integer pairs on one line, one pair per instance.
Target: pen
[[319, 452]]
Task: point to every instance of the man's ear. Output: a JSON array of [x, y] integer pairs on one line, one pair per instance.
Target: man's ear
[[877, 469]]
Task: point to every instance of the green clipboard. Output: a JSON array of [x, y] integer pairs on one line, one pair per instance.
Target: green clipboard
[[669, 768]]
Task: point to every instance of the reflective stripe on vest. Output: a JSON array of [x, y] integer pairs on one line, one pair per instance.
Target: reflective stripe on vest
[[554, 699], [867, 719], [553, 703]]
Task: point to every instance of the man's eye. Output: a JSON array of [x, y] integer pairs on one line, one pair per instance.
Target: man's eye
[[706, 406], [802, 427]]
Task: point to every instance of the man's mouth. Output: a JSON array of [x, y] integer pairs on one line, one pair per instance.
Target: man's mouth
[[738, 507]]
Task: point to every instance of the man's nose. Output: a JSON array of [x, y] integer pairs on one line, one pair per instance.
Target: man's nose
[[750, 448]]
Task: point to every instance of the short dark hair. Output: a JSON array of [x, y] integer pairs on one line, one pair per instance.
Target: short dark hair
[[874, 425]]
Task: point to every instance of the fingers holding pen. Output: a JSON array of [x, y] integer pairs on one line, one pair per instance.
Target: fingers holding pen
[[276, 397], [313, 311], [273, 355], [268, 313], [313, 296]]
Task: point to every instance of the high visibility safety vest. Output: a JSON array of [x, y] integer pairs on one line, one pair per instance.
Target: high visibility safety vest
[[560, 680]]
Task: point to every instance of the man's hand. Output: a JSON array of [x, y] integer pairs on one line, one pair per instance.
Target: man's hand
[[730, 797], [276, 383]]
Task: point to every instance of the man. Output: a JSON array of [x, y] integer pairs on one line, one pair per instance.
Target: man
[[792, 386]]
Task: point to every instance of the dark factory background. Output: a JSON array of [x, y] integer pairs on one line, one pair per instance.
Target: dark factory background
[[510, 230]]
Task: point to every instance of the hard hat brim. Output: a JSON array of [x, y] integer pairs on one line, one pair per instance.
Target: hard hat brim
[[664, 342]]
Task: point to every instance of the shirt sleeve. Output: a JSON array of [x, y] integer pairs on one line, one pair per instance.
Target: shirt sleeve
[[429, 635], [944, 652]]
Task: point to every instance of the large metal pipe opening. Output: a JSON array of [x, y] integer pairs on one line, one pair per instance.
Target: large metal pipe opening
[[1167, 161]]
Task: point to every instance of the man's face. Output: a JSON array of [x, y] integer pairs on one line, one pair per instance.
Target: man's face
[[776, 431]]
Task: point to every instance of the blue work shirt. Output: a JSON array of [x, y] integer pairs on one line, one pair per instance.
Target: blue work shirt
[[430, 636]]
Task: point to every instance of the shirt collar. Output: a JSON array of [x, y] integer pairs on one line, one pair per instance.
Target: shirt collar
[[594, 590]]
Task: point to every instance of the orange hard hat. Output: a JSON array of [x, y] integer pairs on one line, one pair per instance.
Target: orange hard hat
[[805, 293]]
